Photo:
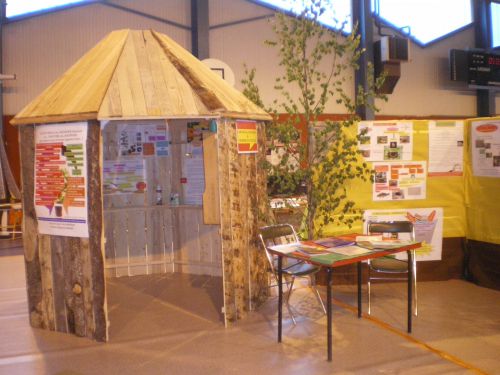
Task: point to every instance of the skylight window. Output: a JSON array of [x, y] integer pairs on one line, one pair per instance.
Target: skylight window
[[20, 7], [334, 16], [495, 24], [425, 20]]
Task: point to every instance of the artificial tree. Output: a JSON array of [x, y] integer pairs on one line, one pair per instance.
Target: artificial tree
[[317, 63]]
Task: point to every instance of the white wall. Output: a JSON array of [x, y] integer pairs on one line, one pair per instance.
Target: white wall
[[41, 48]]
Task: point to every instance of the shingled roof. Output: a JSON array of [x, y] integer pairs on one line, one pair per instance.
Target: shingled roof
[[137, 74]]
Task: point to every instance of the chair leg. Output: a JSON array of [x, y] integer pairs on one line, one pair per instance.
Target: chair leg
[[369, 291], [316, 292], [415, 299], [287, 300]]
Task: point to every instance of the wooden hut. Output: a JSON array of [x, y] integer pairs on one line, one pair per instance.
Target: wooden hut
[[138, 160]]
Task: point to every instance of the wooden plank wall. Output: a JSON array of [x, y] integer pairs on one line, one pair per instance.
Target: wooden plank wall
[[143, 237], [65, 278], [243, 204]]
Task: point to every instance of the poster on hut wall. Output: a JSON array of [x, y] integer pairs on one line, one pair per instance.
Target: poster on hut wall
[[193, 172], [428, 225], [399, 180], [386, 140], [485, 148], [61, 179], [195, 130], [124, 176], [446, 148], [139, 140], [246, 133]]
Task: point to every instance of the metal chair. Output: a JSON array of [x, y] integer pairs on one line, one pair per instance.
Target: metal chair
[[283, 234], [391, 265], [11, 215]]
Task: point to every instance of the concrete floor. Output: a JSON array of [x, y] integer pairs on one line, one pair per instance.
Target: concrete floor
[[171, 324]]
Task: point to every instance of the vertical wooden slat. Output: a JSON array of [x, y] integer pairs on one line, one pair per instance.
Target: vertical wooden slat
[[48, 288], [240, 274], [30, 226], [211, 199], [226, 227], [61, 321], [95, 281], [259, 213]]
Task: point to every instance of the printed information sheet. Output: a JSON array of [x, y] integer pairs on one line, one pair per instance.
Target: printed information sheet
[[386, 140], [143, 140], [486, 148], [446, 151], [61, 179], [124, 176], [399, 180], [428, 225]]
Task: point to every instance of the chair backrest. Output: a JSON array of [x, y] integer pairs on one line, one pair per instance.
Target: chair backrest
[[278, 234], [392, 227]]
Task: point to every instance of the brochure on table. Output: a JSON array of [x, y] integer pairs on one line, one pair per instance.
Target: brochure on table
[[428, 225], [61, 179]]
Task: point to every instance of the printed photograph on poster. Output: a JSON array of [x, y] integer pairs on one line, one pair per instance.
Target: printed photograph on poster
[[61, 179], [386, 140], [399, 181], [124, 176], [446, 148], [485, 148], [139, 139], [428, 225]]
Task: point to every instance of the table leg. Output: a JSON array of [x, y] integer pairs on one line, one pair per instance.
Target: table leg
[[410, 289], [359, 290], [329, 272], [280, 296]]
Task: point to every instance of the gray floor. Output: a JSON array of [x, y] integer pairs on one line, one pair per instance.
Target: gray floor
[[171, 324]]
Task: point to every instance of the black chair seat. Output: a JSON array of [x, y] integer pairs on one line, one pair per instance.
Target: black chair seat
[[300, 269], [388, 265]]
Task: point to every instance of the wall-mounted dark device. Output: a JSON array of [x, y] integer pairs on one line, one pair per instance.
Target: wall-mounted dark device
[[477, 68], [388, 53]]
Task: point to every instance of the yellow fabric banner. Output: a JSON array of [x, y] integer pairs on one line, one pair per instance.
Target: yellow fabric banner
[[443, 191]]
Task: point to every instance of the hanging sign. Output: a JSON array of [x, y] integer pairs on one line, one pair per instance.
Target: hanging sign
[[61, 179], [246, 133]]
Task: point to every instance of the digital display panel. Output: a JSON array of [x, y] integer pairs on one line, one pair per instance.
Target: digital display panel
[[483, 69]]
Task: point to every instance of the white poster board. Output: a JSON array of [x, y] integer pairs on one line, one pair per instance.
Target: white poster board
[[124, 176], [399, 180], [428, 225], [386, 140], [485, 148], [140, 139], [61, 179], [193, 171], [446, 151]]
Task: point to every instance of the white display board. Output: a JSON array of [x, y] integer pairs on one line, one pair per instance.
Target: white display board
[[446, 148], [386, 140], [485, 148], [399, 180]]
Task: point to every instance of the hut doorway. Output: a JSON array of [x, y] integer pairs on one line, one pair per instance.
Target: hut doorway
[[153, 183]]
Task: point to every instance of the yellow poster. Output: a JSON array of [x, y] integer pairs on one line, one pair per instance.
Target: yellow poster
[[247, 137]]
